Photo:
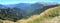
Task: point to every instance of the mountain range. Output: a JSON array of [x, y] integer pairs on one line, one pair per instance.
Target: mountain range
[[22, 9], [29, 6]]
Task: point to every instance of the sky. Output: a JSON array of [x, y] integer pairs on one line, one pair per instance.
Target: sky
[[26, 1]]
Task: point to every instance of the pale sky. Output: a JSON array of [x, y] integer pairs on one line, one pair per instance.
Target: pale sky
[[26, 1]]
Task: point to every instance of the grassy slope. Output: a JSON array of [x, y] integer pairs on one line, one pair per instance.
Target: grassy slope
[[49, 16]]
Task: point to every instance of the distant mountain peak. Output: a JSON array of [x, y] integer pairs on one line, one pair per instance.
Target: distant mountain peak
[[1, 5], [48, 3]]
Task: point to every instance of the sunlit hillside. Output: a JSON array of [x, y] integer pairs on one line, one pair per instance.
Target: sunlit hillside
[[51, 15]]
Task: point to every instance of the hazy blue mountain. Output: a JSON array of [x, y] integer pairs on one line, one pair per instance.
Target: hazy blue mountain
[[3, 6], [34, 7], [19, 5], [29, 7]]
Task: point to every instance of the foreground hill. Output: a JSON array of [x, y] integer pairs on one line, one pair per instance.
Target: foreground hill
[[51, 15]]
